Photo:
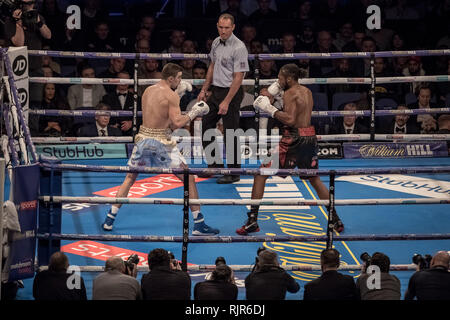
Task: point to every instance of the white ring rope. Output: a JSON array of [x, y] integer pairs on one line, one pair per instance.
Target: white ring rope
[[244, 202]]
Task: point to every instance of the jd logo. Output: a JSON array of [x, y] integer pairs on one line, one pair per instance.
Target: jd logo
[[20, 65], [23, 96]]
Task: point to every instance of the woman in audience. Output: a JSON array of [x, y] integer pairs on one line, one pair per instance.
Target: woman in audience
[[50, 125]]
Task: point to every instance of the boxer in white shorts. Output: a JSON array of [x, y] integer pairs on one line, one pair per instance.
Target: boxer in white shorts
[[153, 144]]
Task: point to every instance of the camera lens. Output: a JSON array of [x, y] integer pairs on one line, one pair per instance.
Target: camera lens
[[365, 257], [416, 258]]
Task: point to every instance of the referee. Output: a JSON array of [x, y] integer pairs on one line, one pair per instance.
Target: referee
[[229, 62]]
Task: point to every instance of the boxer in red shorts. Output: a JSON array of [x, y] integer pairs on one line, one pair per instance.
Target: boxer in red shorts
[[298, 146]]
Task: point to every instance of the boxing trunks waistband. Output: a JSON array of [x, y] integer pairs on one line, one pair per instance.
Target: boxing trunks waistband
[[307, 132], [162, 135]]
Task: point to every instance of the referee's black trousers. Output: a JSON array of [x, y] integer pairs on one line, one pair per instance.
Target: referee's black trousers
[[230, 121]]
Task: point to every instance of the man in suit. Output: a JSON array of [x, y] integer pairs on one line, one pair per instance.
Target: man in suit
[[116, 65], [122, 99], [101, 127], [424, 95], [401, 124], [331, 285], [85, 95], [349, 124]]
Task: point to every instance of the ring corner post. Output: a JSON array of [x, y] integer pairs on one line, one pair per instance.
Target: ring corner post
[[331, 208], [185, 220], [49, 221]]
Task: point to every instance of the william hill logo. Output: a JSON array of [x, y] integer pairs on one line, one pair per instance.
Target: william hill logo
[[395, 151]]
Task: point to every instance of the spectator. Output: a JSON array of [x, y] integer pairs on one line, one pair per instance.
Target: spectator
[[101, 40], [423, 102], [268, 69], [53, 126], [268, 274], [149, 69], [444, 124], [118, 282], [116, 65], [234, 8], [261, 19], [51, 284], [142, 46], [162, 282], [344, 36], [432, 283], [401, 11], [414, 69], [220, 286], [91, 13], [304, 11], [361, 67], [324, 45], [248, 34], [342, 70], [331, 285], [355, 45], [389, 284], [401, 124], [385, 90], [47, 61], [382, 36], [399, 64], [306, 39], [176, 39], [189, 98], [85, 95], [349, 124], [398, 42], [122, 99], [54, 18], [29, 32], [428, 124], [288, 45], [101, 127], [330, 14]]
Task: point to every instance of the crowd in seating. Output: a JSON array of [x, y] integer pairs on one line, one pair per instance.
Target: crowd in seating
[[307, 26]]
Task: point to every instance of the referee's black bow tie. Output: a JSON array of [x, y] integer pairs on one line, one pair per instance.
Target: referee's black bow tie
[[223, 42], [400, 130], [121, 94]]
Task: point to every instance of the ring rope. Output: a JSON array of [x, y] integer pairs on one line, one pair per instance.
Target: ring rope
[[244, 114], [233, 239], [248, 268], [247, 171], [262, 56], [243, 202], [336, 137], [263, 82]]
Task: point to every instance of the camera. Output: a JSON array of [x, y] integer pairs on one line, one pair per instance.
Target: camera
[[7, 7], [366, 258], [422, 262], [220, 260], [131, 261], [173, 261]]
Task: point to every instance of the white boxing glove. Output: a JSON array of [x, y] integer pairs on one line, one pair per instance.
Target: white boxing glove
[[199, 109], [262, 103], [183, 86], [276, 91]]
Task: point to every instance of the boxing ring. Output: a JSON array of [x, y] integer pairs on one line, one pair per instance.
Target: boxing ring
[[380, 201]]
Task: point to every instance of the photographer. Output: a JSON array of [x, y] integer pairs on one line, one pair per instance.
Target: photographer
[[164, 281], [432, 283], [389, 284], [26, 27], [268, 281], [220, 286], [118, 282]]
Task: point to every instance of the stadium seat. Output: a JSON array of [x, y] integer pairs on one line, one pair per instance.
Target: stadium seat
[[385, 104], [320, 104], [410, 98], [339, 99], [447, 100]]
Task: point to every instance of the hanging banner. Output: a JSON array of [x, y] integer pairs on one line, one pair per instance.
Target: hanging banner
[[388, 150], [18, 56], [22, 244]]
